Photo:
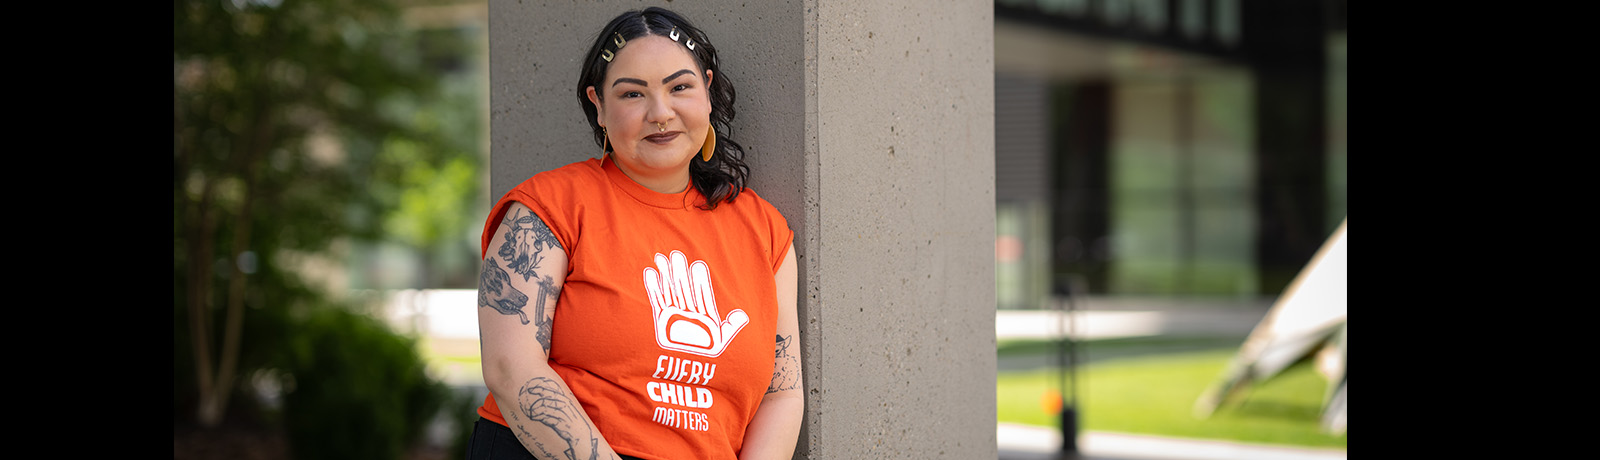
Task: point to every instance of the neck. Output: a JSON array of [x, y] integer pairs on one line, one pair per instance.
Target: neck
[[669, 183]]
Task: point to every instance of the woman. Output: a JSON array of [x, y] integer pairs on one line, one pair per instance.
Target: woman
[[641, 305]]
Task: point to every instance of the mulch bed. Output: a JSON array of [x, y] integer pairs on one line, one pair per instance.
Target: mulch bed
[[193, 443], [234, 442]]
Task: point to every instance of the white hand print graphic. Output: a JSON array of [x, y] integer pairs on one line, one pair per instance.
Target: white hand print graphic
[[685, 308]]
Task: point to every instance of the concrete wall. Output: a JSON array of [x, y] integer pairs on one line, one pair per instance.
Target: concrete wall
[[870, 125]]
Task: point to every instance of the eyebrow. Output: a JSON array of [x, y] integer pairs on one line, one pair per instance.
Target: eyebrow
[[629, 80], [675, 75], [642, 82]]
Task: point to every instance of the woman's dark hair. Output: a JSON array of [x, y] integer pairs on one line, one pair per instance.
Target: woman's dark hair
[[721, 178]]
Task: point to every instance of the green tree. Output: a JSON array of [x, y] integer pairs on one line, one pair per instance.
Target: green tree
[[288, 117], [435, 204]]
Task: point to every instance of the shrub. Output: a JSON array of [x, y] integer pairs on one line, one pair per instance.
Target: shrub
[[462, 411], [359, 391]]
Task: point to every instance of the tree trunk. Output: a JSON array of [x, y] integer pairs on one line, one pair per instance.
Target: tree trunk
[[212, 414], [214, 397], [203, 223]]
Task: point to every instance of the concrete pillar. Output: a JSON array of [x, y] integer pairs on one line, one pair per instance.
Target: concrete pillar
[[870, 125]]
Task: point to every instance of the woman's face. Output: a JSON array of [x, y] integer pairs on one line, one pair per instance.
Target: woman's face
[[656, 109]]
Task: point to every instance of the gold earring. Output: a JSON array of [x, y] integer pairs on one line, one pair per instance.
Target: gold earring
[[710, 145], [604, 138]]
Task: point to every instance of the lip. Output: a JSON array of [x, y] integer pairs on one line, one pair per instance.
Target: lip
[[662, 138]]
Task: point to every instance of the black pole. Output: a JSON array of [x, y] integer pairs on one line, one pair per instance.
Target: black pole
[[1066, 363]]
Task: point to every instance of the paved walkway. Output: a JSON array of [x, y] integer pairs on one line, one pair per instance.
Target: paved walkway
[[1132, 317], [1025, 442]]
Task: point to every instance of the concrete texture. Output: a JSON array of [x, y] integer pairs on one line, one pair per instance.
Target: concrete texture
[[903, 113], [535, 121], [870, 126]]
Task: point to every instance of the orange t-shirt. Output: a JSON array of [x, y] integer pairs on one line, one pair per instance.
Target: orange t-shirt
[[665, 328]]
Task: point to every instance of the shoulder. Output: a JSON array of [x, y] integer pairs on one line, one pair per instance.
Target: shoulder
[[757, 202], [552, 198], [765, 219], [752, 207], [560, 185]]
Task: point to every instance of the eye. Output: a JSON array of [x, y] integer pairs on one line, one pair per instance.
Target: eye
[[682, 87], [632, 94]]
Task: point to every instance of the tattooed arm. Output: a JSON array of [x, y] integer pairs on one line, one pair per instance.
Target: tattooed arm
[[773, 432], [522, 277]]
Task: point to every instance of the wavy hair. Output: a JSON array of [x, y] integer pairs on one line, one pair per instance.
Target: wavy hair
[[724, 176]]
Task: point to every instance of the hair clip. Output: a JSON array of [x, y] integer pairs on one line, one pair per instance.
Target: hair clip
[[689, 42], [616, 39]]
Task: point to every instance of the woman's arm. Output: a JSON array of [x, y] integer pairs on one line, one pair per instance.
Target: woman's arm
[[523, 272], [773, 432]]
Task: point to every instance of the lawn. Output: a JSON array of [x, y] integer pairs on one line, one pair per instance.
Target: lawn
[[1155, 394]]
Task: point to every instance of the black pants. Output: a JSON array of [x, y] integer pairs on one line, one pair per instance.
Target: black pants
[[493, 441]]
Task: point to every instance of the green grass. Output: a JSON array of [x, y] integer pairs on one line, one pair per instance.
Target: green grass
[[1155, 394]]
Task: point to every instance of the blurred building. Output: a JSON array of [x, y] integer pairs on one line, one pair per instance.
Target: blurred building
[[1166, 148]]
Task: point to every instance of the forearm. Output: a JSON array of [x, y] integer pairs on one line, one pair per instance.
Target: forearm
[[517, 301], [775, 429], [545, 416]]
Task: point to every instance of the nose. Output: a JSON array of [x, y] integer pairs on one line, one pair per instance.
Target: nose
[[660, 112]]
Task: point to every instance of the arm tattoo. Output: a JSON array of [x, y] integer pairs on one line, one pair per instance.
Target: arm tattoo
[[526, 239], [495, 291], [529, 237], [542, 400], [785, 367], [547, 290]]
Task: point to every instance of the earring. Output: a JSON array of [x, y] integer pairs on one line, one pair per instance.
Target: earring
[[604, 138], [710, 145]]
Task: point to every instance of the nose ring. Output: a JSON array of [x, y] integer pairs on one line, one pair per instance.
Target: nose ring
[[661, 128]]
